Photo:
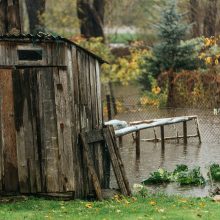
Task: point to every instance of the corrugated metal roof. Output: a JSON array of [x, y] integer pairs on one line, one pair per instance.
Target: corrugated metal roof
[[41, 37]]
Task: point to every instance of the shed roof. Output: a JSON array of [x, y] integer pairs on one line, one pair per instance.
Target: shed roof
[[44, 37]]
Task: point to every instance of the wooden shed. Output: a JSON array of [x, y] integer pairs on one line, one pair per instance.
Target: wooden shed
[[49, 93]]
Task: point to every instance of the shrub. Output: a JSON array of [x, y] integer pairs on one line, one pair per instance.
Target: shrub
[[214, 171], [158, 177]]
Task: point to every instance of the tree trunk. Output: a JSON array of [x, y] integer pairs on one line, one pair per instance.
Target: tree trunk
[[194, 17], [91, 17], [10, 17], [210, 18], [171, 91], [35, 9]]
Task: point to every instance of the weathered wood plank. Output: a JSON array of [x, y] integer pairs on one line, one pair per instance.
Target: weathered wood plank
[[10, 182], [121, 165], [94, 136], [90, 166], [115, 163], [63, 118], [49, 131]]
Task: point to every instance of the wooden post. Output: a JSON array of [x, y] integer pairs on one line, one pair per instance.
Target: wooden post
[[198, 131], [185, 132], [177, 133], [137, 140], [155, 136], [108, 99], [162, 136]]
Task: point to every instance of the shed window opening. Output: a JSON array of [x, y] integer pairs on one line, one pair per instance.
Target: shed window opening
[[30, 55]]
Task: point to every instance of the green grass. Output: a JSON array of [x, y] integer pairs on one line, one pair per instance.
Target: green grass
[[152, 207]]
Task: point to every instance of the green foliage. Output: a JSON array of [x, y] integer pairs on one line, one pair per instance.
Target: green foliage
[[181, 175], [121, 69], [190, 177], [95, 45], [158, 177], [180, 168], [172, 52], [214, 171]]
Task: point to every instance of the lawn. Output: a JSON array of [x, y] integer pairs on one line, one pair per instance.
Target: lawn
[[149, 207]]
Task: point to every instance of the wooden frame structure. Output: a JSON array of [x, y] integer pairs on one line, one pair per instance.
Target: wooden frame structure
[[135, 127]]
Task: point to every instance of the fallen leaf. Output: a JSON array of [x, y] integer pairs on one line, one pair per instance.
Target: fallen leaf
[[152, 203], [88, 205]]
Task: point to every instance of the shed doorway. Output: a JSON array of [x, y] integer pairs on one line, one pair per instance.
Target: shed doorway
[[32, 103]]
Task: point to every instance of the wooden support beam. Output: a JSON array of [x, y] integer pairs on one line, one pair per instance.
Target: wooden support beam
[[112, 132], [162, 136], [185, 132], [198, 130], [137, 141], [115, 162]]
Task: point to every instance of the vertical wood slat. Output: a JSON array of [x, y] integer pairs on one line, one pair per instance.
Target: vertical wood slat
[[49, 131], [98, 81], [79, 176], [63, 118], [10, 181], [25, 86]]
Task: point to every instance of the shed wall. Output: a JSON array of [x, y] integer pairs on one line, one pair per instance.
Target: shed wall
[[53, 101]]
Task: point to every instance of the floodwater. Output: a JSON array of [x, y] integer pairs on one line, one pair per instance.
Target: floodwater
[[153, 156]]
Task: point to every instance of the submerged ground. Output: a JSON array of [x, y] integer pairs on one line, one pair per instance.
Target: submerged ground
[[148, 207]]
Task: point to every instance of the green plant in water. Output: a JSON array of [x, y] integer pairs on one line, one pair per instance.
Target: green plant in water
[[158, 177], [214, 172], [181, 174], [190, 177]]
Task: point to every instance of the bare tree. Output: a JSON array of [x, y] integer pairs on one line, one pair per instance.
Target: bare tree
[[35, 9], [194, 17], [210, 18], [9, 17], [91, 16]]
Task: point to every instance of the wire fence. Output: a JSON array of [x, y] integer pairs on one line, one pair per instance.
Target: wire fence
[[129, 108]]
